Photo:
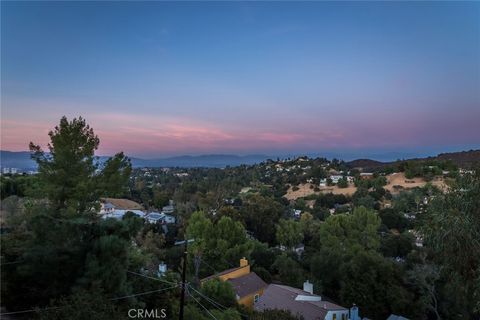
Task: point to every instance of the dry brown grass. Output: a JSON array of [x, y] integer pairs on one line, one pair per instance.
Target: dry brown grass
[[395, 179], [123, 204]]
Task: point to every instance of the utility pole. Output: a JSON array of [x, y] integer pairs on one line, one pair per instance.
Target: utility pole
[[184, 274]]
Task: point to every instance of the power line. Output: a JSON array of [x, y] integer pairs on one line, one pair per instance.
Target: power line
[[216, 304], [188, 291], [29, 310], [214, 270], [112, 299], [148, 277], [144, 293], [213, 302], [13, 262]]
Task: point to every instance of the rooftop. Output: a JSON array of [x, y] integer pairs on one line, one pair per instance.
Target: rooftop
[[297, 301], [123, 204], [247, 284]]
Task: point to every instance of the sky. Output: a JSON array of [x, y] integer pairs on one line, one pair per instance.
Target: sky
[[158, 79]]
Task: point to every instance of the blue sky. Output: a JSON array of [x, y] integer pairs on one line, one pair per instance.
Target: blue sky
[[165, 78]]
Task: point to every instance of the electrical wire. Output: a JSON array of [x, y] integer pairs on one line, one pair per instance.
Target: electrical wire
[[112, 299], [152, 278], [144, 293], [208, 311]]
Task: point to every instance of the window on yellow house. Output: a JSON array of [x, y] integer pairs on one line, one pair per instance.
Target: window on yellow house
[[255, 298]]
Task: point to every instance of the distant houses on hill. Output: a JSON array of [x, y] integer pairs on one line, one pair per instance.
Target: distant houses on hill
[[117, 208]]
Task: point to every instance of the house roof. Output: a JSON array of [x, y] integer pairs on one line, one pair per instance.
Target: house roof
[[123, 204], [247, 284], [155, 216], [285, 298], [395, 317], [108, 205]]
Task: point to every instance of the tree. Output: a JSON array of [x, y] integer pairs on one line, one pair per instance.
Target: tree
[[342, 183], [68, 168], [220, 291], [114, 176], [289, 233], [289, 271], [62, 244], [261, 213], [350, 232], [425, 277], [375, 285], [219, 245], [397, 245], [451, 229], [82, 305]]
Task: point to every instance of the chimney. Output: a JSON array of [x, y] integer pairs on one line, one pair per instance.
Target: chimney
[[243, 262], [354, 313], [308, 287]]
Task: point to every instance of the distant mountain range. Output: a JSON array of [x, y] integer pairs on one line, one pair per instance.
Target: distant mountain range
[[21, 160], [463, 159]]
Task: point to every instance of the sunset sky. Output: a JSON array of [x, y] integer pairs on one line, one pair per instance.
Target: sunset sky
[[158, 79]]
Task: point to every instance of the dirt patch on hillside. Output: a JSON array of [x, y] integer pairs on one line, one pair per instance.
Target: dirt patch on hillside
[[398, 179], [303, 190], [395, 179]]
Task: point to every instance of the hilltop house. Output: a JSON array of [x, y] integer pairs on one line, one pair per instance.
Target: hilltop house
[[303, 303], [336, 178], [162, 218], [117, 208], [170, 208], [366, 175], [247, 285]]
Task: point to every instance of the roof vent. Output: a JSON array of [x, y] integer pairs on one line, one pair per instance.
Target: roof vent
[[301, 297]]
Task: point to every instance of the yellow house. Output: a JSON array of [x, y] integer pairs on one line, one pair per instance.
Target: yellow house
[[247, 285]]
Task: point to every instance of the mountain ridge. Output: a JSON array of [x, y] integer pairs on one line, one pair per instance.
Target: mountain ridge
[[22, 160]]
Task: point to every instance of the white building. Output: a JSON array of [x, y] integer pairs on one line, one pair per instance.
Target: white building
[[119, 213], [162, 218]]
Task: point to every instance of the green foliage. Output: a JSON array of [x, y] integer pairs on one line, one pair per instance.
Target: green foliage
[[451, 227], [397, 245], [375, 285], [61, 243], [289, 233], [349, 233], [68, 169], [289, 271], [342, 183], [20, 185], [83, 305], [220, 291], [114, 176], [393, 219], [261, 213], [262, 256], [220, 245]]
